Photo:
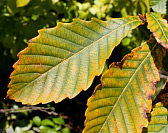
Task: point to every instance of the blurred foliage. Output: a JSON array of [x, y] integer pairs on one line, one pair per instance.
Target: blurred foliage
[[21, 19], [159, 5], [25, 122]]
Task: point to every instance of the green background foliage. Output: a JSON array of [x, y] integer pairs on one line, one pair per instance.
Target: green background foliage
[[20, 20]]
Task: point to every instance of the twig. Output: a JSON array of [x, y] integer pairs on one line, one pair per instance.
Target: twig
[[29, 108]]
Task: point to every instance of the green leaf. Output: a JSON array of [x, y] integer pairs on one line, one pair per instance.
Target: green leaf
[[37, 120], [47, 122], [22, 3], [159, 5], [57, 127], [158, 26], [158, 122], [123, 98], [46, 129], [62, 61], [66, 130], [106, 66], [59, 120], [126, 41]]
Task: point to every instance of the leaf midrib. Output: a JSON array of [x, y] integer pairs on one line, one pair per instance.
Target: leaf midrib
[[125, 88]]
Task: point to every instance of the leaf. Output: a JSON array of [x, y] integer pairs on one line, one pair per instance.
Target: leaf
[[159, 27], [158, 122], [59, 120], [123, 98], [37, 120], [66, 130], [159, 5], [22, 3], [64, 60], [47, 122], [46, 129]]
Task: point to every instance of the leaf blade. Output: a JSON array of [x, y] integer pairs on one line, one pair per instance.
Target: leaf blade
[[125, 94], [67, 56]]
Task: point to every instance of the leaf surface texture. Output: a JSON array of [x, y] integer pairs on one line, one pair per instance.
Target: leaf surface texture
[[62, 61], [158, 122], [121, 101], [159, 27]]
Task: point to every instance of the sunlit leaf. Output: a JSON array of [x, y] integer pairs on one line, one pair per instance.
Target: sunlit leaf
[[159, 27], [158, 5], [64, 60], [158, 122], [22, 3], [123, 98]]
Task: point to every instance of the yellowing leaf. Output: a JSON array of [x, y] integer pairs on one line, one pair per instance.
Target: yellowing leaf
[[64, 60], [158, 122], [22, 3], [121, 101], [159, 27]]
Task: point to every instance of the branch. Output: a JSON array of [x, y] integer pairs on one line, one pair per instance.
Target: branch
[[29, 108]]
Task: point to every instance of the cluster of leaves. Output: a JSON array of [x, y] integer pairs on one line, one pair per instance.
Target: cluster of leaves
[[23, 124], [22, 120], [53, 64], [47, 125]]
